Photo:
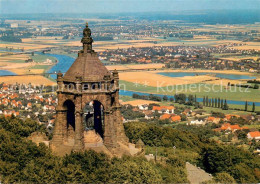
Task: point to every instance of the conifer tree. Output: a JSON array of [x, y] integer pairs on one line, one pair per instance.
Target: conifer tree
[[253, 107], [246, 104], [225, 107]]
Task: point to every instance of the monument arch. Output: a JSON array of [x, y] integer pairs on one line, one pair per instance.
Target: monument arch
[[88, 80]]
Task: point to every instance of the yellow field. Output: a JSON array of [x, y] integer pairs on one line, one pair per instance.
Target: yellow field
[[248, 47], [42, 38], [13, 57], [35, 80], [26, 46], [11, 66], [153, 79], [26, 71], [238, 59], [225, 28], [117, 67], [138, 102], [223, 82]]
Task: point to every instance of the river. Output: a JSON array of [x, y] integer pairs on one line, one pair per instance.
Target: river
[[219, 75], [64, 63], [6, 72]]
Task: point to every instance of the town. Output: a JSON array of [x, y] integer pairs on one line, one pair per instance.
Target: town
[[144, 97], [30, 102]]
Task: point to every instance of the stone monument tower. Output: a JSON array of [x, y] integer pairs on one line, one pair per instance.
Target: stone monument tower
[[88, 111]]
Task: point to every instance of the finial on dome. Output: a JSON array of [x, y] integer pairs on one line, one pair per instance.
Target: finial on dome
[[87, 40]]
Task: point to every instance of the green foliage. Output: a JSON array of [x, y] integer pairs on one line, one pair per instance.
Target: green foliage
[[129, 114], [175, 171], [240, 164], [20, 127], [96, 166], [153, 135], [214, 158], [225, 107], [134, 170], [11, 38], [224, 178], [16, 153], [218, 114], [238, 120], [180, 98], [22, 161], [256, 86], [246, 104], [253, 107]]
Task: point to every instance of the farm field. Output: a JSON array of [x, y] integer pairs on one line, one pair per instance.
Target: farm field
[[13, 57], [137, 102], [16, 63], [25, 46], [135, 66], [151, 78], [34, 80], [200, 89], [134, 102]]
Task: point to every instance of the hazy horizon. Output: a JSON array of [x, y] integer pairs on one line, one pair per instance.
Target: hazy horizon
[[122, 6]]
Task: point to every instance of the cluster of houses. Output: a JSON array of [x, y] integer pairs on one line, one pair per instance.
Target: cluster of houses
[[199, 117], [233, 128], [185, 57], [16, 103], [165, 112]]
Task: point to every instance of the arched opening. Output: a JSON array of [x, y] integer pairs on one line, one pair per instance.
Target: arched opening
[[94, 117], [70, 114]]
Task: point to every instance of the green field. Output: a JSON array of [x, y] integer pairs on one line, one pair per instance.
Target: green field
[[41, 58], [212, 91], [44, 67], [126, 98], [207, 109]]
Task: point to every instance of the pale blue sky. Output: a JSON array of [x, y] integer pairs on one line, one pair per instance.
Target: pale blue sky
[[116, 6]]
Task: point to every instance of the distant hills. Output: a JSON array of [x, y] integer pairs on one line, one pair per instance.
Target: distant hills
[[207, 17]]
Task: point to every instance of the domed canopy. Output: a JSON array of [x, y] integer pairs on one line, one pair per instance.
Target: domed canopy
[[87, 66]]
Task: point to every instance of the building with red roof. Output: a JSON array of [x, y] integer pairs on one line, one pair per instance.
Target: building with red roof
[[254, 135], [164, 109]]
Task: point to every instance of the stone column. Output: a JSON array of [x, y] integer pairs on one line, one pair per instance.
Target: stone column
[[78, 146], [120, 131], [58, 133], [78, 131], [110, 140]]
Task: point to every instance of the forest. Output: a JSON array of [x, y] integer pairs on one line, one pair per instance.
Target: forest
[[23, 161]]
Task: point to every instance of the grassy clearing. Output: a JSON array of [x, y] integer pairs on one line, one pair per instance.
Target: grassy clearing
[[41, 58], [126, 98], [212, 91], [44, 67], [210, 109], [207, 109]]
